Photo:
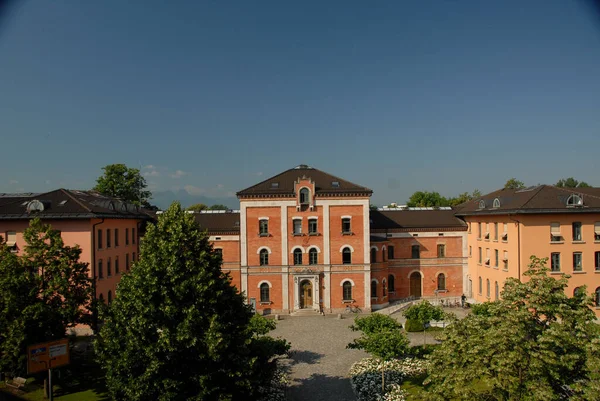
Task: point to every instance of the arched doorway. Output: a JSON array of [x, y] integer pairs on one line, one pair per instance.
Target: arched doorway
[[415, 284], [306, 294]]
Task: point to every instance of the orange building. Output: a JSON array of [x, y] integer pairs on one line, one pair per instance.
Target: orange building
[[506, 227], [305, 240], [106, 229]]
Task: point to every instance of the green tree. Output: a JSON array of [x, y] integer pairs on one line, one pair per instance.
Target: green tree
[[513, 183], [125, 183], [571, 183], [218, 207], [424, 312], [464, 197], [536, 343], [427, 199], [43, 293], [198, 207], [178, 329]]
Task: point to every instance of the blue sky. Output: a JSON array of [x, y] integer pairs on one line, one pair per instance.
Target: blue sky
[[215, 96]]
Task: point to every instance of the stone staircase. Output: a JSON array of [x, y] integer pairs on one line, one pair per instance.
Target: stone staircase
[[305, 312]]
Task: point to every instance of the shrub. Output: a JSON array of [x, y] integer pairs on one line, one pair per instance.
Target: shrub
[[420, 351], [413, 325]]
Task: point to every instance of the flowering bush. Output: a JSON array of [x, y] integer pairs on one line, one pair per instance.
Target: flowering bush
[[365, 377]]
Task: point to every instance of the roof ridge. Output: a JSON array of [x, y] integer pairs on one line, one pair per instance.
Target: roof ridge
[[265, 180], [68, 193], [539, 189], [572, 191]]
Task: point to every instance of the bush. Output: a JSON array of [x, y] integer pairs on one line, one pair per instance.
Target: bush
[[420, 351], [413, 325]]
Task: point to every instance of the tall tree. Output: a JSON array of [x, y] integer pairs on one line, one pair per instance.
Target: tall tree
[[536, 343], [197, 207], [218, 207], [43, 293], [513, 183], [427, 199], [464, 197], [571, 183], [424, 312], [125, 183], [178, 329]]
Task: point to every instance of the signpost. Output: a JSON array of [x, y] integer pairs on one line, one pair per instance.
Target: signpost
[[46, 356]]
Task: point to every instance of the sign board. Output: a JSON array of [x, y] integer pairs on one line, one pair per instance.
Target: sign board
[[48, 355]]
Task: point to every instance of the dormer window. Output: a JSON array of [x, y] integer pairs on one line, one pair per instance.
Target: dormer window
[[481, 204], [304, 196], [274, 185], [496, 203], [335, 184], [575, 200]]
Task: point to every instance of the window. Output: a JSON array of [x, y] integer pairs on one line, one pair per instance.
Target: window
[[487, 288], [391, 283], [495, 231], [297, 256], [263, 227], [335, 184], [478, 230], [390, 252], [346, 228], [313, 256], [415, 251], [100, 269], [487, 231], [597, 260], [505, 260], [480, 285], [496, 203], [127, 236], [496, 291], [101, 298], [312, 227], [574, 200], [274, 185], [108, 242], [555, 232], [470, 251], [219, 253], [487, 256], [482, 204], [116, 264], [505, 233], [133, 235], [597, 297], [469, 227], [383, 255], [126, 262], [480, 255], [297, 227], [109, 297], [441, 249], [441, 282], [576, 231], [597, 231], [99, 239], [496, 258], [373, 255], [264, 257], [577, 262], [108, 268], [373, 289], [116, 237], [264, 292], [383, 289], [304, 196], [133, 257], [347, 291], [346, 256], [577, 291]]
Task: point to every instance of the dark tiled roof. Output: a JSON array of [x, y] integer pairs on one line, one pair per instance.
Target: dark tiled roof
[[411, 219], [70, 204], [539, 199], [219, 223], [283, 184]]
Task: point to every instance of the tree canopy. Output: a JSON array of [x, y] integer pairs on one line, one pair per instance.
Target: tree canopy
[[381, 336], [513, 183], [571, 183], [43, 292], [434, 199], [178, 329], [198, 207], [124, 183], [536, 343]]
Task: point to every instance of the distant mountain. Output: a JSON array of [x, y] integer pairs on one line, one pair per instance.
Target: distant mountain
[[163, 199]]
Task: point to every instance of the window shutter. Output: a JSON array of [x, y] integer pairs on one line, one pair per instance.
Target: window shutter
[[555, 229]]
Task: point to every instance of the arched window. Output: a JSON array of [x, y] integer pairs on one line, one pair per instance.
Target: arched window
[[441, 282], [264, 257], [383, 255], [347, 290], [383, 289], [496, 203], [487, 287], [574, 200], [373, 255], [297, 256], [496, 291], [101, 298], [480, 285], [597, 296], [313, 256], [391, 286], [346, 256], [304, 196], [373, 289], [482, 204], [109, 297], [577, 291], [264, 292], [100, 269], [390, 252]]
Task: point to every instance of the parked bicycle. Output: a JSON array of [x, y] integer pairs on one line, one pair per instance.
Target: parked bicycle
[[351, 308]]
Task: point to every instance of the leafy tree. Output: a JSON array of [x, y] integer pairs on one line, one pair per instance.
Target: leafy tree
[[536, 343], [464, 197], [43, 292], [571, 183], [125, 183], [373, 207], [424, 312], [218, 207], [427, 199], [198, 207], [178, 329], [513, 183]]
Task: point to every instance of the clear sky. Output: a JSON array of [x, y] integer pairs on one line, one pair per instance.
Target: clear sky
[[215, 96]]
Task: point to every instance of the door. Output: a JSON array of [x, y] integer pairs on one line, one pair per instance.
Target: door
[[415, 284], [306, 294]]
